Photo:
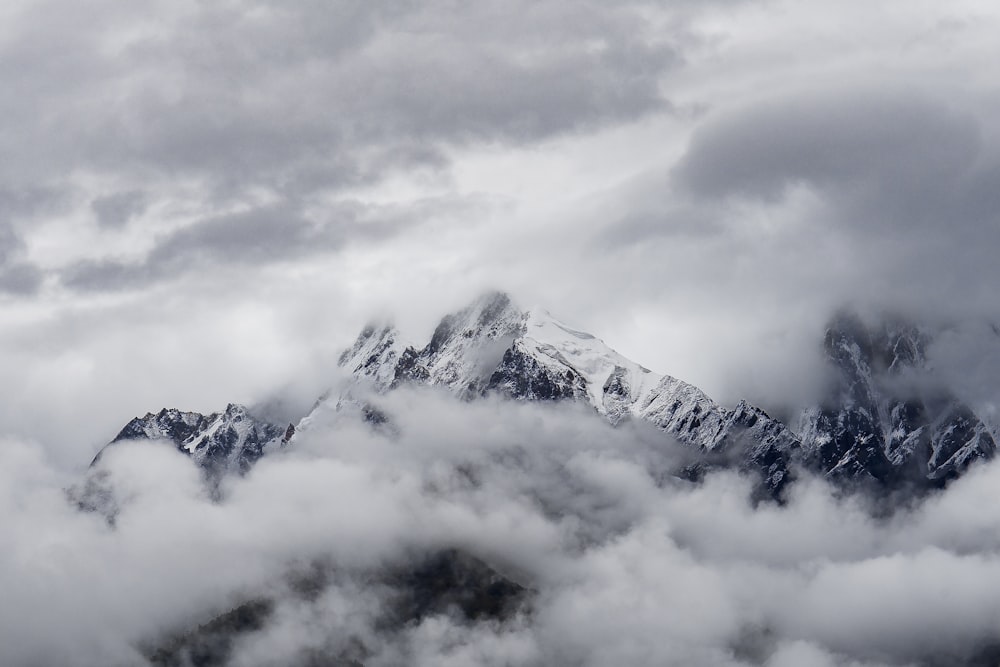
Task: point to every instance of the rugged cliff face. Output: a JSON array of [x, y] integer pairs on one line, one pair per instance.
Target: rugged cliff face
[[886, 417], [230, 441], [884, 421]]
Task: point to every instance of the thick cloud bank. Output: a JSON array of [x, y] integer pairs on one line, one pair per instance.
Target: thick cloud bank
[[625, 564]]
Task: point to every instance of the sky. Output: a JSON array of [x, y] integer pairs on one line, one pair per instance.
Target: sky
[[202, 203]]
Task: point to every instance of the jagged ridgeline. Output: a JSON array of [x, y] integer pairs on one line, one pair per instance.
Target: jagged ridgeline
[[886, 417], [871, 427], [227, 441]]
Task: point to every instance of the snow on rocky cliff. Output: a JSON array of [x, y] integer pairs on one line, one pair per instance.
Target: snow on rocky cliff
[[873, 425]]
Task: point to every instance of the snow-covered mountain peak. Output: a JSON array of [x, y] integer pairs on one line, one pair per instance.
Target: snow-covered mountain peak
[[467, 345], [228, 441], [375, 354], [492, 312], [493, 346]]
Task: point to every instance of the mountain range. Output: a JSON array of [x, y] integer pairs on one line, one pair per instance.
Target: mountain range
[[885, 422]]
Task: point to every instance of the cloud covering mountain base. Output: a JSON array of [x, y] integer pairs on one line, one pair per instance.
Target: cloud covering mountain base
[[624, 563]]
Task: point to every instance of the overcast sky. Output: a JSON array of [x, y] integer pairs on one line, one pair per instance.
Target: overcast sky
[[203, 202]]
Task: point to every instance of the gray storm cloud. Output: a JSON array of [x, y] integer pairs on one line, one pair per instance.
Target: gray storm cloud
[[905, 182], [194, 123], [875, 142], [250, 94]]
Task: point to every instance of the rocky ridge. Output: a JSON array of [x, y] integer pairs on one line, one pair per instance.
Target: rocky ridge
[[876, 424], [886, 418], [227, 441]]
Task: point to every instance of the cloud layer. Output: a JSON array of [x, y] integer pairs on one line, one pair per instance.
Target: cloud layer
[[628, 565]]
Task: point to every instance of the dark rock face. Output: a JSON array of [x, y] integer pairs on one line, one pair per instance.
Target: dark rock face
[[238, 441], [763, 446], [520, 376], [410, 368], [750, 441], [850, 441], [958, 438], [909, 443], [745, 438], [875, 425]]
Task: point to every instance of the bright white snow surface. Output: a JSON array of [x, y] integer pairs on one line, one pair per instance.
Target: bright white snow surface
[[553, 343]]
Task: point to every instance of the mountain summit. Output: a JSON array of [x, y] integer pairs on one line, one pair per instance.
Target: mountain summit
[[492, 346]]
